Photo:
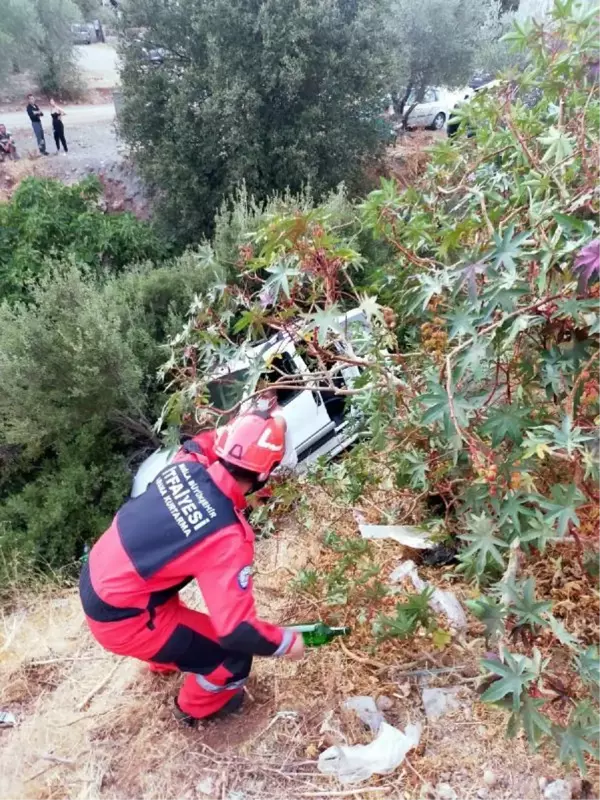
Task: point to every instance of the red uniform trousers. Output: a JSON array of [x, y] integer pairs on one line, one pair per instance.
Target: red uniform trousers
[[190, 645]]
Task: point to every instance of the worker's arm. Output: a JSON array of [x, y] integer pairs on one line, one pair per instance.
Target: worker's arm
[[224, 574]]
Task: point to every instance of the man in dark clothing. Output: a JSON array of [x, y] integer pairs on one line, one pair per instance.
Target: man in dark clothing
[[187, 525], [34, 113]]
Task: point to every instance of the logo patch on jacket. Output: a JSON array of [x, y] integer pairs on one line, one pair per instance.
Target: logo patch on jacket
[[244, 577], [178, 510]]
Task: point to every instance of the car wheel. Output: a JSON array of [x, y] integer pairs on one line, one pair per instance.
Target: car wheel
[[438, 121]]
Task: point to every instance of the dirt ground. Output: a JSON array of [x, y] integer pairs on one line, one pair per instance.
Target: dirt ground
[[91, 725]]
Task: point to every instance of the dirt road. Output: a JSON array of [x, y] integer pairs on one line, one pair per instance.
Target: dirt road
[[99, 65], [18, 121]]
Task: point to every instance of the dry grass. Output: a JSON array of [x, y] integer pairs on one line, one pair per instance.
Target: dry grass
[[125, 744]]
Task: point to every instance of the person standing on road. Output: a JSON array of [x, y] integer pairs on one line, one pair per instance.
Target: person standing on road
[[34, 113], [58, 129], [99, 31]]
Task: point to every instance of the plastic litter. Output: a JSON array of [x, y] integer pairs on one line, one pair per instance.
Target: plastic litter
[[7, 719], [438, 702], [366, 710], [442, 602], [407, 535], [381, 756]]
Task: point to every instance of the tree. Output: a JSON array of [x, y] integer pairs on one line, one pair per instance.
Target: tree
[[439, 39], [35, 35], [276, 93]]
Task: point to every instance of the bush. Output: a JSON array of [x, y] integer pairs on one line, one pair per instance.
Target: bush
[[46, 220], [78, 364], [490, 404], [278, 94], [71, 500]]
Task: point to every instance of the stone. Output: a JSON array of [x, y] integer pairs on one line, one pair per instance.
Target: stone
[[438, 702], [443, 791], [489, 778], [206, 787], [384, 703], [483, 793], [558, 790]]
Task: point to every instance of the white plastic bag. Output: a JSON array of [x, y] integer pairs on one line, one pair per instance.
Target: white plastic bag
[[408, 535], [441, 601], [351, 764]]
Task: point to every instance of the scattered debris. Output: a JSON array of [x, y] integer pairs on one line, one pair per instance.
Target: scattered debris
[[441, 601], [366, 710], [7, 719], [383, 755], [384, 703], [443, 791], [438, 702], [407, 535], [489, 778], [558, 790], [206, 787]]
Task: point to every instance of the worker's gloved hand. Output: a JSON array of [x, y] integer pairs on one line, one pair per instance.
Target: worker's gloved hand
[[296, 651]]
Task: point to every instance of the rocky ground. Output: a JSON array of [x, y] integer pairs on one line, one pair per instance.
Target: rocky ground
[[91, 725]]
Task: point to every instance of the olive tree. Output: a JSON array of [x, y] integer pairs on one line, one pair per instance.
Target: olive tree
[[275, 93]]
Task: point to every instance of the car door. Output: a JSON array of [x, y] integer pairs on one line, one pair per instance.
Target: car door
[[428, 108], [303, 410]]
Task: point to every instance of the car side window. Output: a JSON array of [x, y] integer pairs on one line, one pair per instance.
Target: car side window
[[282, 365], [430, 96]]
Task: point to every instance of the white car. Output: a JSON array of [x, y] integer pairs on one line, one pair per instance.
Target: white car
[[432, 112], [317, 420]]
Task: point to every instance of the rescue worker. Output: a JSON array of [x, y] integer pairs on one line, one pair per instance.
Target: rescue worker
[[188, 525]]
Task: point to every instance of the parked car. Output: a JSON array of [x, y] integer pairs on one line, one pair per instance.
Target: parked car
[[318, 420], [432, 112], [81, 33]]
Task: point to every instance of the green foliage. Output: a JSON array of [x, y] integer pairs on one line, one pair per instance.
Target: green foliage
[[486, 392], [46, 220], [410, 615], [78, 362], [71, 499], [520, 677], [427, 55], [276, 94], [35, 35]]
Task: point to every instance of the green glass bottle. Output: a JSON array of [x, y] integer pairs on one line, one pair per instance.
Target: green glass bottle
[[316, 634]]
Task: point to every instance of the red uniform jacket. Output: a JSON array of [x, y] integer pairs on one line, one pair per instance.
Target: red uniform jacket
[[188, 524]]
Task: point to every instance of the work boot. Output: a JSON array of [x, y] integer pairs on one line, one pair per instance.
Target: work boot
[[232, 705]]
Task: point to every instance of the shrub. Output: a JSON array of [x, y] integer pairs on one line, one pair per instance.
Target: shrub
[[46, 220], [278, 94], [492, 401], [78, 364]]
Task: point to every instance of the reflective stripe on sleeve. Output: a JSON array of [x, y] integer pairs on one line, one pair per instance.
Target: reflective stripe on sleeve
[[286, 642]]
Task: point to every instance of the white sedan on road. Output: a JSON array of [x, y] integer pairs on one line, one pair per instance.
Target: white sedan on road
[[433, 111]]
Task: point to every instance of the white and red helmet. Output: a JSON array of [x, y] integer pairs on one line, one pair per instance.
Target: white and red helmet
[[254, 442]]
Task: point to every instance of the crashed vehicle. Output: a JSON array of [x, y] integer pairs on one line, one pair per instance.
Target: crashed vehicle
[[319, 422]]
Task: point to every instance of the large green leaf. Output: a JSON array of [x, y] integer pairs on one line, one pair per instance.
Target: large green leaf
[[484, 546], [508, 248], [512, 507], [531, 721], [507, 421], [523, 603], [514, 677], [563, 506], [559, 145], [324, 321], [579, 737], [437, 407], [492, 612]]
